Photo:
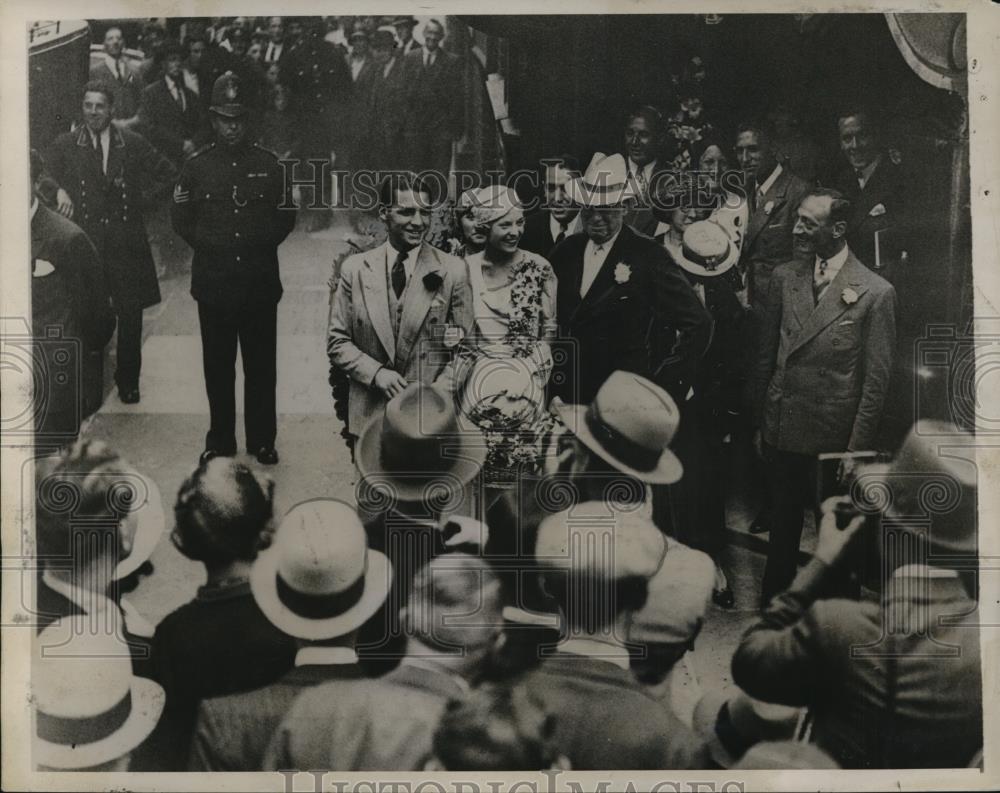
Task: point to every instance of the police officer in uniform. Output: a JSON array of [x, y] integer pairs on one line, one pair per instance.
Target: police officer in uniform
[[231, 206]]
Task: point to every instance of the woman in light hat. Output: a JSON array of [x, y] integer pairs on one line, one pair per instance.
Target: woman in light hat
[[507, 363], [467, 236]]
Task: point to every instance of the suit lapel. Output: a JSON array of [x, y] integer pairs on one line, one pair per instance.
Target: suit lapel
[[604, 282], [854, 275], [375, 288], [802, 295], [416, 303], [776, 197], [116, 154]]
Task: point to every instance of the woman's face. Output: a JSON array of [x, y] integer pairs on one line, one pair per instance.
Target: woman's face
[[713, 164], [273, 73], [474, 236], [505, 233]]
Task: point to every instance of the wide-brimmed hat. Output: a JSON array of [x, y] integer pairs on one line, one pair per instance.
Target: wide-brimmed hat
[[602, 184], [227, 96], [745, 721], [630, 424], [416, 450], [89, 708], [319, 579], [403, 19], [932, 478], [598, 539], [707, 250], [150, 525]]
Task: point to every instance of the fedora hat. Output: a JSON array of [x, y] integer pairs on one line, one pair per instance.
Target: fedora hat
[[932, 476], [150, 524], [89, 708], [630, 425], [602, 184], [594, 537], [707, 250], [416, 447], [319, 579], [745, 721], [403, 19]]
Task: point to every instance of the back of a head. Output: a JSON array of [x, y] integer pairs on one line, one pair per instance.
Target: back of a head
[[455, 604], [223, 513], [81, 497], [497, 728]]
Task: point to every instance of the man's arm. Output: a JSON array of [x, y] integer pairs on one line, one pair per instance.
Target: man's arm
[[184, 208], [340, 346], [676, 307], [205, 742], [880, 349]]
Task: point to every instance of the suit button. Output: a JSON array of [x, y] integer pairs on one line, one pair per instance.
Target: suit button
[[237, 258], [237, 235]]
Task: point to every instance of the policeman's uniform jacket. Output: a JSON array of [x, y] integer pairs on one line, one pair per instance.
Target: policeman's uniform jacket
[[109, 206], [228, 207]]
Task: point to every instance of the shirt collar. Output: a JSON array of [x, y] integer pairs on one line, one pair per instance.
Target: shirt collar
[[105, 136], [555, 228], [868, 170], [606, 245], [325, 656], [769, 182], [661, 228], [34, 208], [647, 169], [833, 264], [112, 63], [599, 651]]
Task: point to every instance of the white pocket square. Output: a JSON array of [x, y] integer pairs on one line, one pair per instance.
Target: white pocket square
[[42, 268], [846, 322], [878, 209]]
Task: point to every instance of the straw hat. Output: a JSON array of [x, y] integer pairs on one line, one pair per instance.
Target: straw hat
[[602, 184]]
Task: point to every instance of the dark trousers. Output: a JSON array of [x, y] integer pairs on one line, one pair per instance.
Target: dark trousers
[[129, 347], [791, 479], [430, 152], [255, 330]]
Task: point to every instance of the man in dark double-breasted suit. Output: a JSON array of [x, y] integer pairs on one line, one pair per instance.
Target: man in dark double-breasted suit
[[170, 114], [232, 207], [823, 369], [435, 102], [111, 177], [620, 304]]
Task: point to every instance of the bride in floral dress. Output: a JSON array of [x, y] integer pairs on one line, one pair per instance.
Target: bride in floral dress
[[506, 364]]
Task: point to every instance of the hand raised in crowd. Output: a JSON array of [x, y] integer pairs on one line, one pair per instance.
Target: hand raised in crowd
[[64, 204], [832, 540], [389, 382]]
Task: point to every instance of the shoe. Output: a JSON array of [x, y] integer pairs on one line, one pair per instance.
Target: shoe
[[762, 523], [128, 396], [267, 455]]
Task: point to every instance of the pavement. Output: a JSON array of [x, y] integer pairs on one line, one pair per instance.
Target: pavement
[[164, 433]]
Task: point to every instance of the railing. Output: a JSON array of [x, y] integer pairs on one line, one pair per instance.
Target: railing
[[42, 30]]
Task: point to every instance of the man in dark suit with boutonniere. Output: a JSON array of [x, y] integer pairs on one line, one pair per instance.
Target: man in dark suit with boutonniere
[[620, 303]]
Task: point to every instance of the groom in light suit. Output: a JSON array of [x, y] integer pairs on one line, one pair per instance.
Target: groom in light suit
[[398, 310]]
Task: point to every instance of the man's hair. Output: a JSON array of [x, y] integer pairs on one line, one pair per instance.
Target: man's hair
[[81, 496], [393, 184], [434, 22], [652, 116], [174, 48], [448, 588], [498, 727], [37, 165], [873, 122], [223, 513], [699, 147], [99, 87], [840, 207], [759, 128], [566, 161], [114, 27]]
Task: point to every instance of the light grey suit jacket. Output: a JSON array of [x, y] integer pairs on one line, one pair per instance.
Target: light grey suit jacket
[[360, 338], [823, 370]]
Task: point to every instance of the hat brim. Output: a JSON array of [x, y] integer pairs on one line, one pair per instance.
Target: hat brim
[[585, 195], [148, 699], [229, 111], [469, 455], [703, 720], [667, 471], [700, 270], [150, 528], [264, 586]]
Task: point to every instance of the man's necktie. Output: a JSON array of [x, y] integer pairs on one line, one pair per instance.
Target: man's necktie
[[859, 174], [562, 233], [99, 148], [820, 283], [643, 185], [399, 275]]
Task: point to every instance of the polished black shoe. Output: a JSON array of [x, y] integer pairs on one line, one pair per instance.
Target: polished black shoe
[[208, 454], [762, 523], [128, 396], [267, 455], [724, 598]]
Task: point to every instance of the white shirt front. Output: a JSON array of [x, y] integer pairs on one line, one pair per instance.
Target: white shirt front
[[636, 188], [176, 91], [866, 172], [325, 656], [105, 145], [191, 82], [833, 266], [117, 66], [762, 189], [555, 228], [594, 256], [357, 64], [273, 51], [429, 57], [409, 264], [662, 228]]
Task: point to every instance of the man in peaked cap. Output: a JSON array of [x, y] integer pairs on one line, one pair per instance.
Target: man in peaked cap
[[232, 206]]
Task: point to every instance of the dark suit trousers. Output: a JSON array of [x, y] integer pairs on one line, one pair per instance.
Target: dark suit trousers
[[791, 480], [255, 330], [129, 347]]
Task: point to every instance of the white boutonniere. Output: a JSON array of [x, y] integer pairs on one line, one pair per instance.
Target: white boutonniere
[[878, 209], [41, 268], [849, 296], [453, 335], [768, 207], [622, 273]]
